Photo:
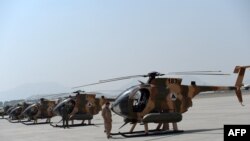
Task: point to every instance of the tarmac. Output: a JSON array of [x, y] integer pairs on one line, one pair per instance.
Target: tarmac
[[204, 121]]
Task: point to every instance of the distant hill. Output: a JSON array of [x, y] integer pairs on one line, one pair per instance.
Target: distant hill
[[26, 90]]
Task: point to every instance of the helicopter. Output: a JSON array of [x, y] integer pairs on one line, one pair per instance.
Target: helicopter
[[83, 106], [161, 100], [15, 112], [2, 113], [5, 110], [8, 108], [40, 110]]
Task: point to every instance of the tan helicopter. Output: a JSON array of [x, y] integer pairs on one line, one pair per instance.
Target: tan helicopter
[[7, 109], [15, 113], [83, 106], [40, 110], [162, 101], [2, 112]]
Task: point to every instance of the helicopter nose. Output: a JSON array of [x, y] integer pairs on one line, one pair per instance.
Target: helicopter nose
[[120, 106], [59, 106], [30, 111], [16, 111], [25, 112], [56, 109]]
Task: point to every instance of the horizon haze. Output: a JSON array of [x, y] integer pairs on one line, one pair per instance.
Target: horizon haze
[[71, 43]]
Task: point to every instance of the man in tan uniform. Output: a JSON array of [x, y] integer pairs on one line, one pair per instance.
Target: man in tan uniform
[[106, 114]]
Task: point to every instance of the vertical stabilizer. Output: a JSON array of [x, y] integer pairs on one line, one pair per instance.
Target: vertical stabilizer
[[238, 84]]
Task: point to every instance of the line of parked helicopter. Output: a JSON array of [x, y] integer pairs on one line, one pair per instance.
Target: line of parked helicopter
[[81, 105], [160, 100]]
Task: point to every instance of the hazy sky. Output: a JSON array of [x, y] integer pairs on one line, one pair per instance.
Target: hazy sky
[[72, 42]]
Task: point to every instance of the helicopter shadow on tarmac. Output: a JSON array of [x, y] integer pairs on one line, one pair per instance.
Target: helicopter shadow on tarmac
[[168, 133], [200, 131], [75, 125], [32, 123], [193, 131]]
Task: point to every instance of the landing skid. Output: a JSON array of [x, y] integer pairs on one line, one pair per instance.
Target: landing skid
[[32, 123], [74, 125], [150, 133], [13, 121]]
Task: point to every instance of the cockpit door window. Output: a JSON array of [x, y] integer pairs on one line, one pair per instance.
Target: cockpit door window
[[140, 100]]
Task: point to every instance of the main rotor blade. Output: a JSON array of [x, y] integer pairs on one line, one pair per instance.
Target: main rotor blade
[[158, 74], [87, 85], [196, 73], [121, 78], [111, 80]]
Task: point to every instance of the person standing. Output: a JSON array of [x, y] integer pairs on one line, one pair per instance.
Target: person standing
[[107, 117], [65, 116]]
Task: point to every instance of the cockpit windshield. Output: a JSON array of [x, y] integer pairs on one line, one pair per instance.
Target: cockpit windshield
[[126, 92]]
